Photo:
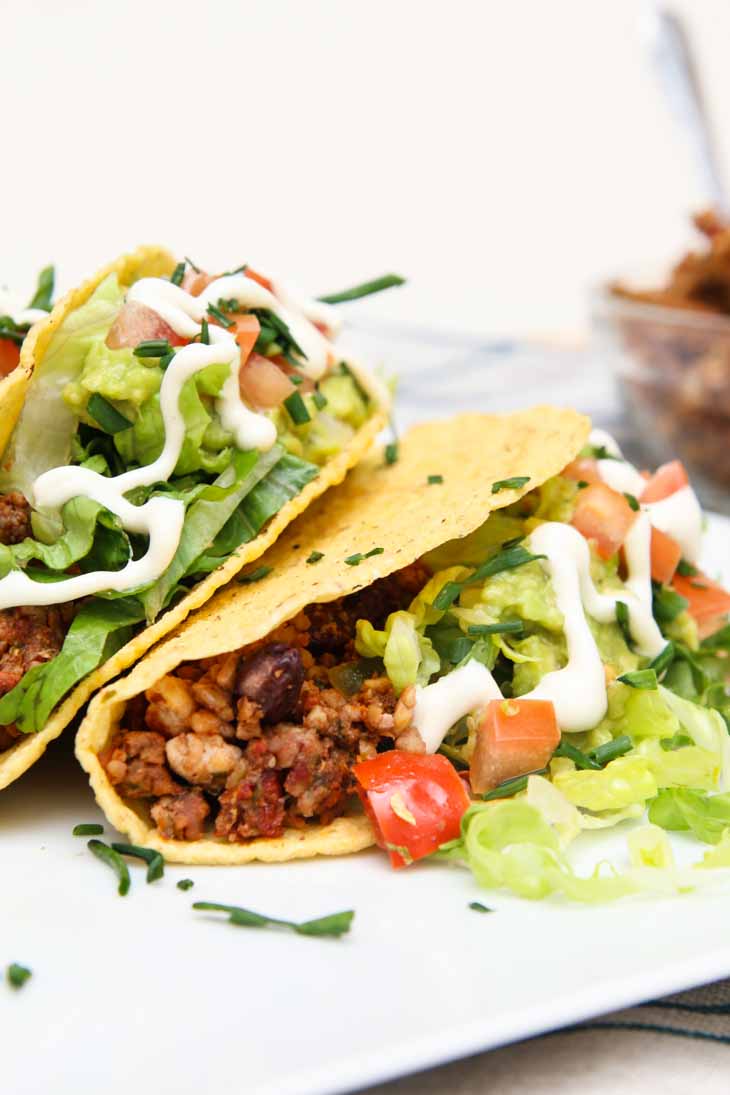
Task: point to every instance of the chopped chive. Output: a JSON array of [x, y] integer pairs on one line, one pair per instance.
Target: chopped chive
[[255, 575], [11, 331], [320, 401], [185, 884], [91, 829], [155, 862], [365, 289], [205, 332], [374, 551], [478, 907], [112, 859], [391, 452], [633, 501], [687, 570], [514, 483], [229, 305], [582, 484], [294, 379], [334, 925], [166, 359], [579, 758], [108, 417], [16, 975], [664, 659], [192, 265], [505, 627], [622, 619], [43, 295], [276, 331], [297, 409], [152, 347], [506, 559], [607, 752], [355, 560], [216, 314], [178, 274], [600, 452], [640, 678], [434, 479], [512, 786], [315, 556]]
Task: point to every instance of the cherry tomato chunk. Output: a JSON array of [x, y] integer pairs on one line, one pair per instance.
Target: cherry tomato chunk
[[414, 801], [604, 516], [709, 603], [514, 737], [9, 356], [665, 556], [584, 469], [666, 480]]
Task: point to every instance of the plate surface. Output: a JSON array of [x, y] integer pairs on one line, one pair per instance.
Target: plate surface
[[141, 993]]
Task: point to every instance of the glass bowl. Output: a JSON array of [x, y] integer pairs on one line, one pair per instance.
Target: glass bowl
[[672, 368]]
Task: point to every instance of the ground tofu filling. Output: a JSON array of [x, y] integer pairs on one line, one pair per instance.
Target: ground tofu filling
[[264, 738]]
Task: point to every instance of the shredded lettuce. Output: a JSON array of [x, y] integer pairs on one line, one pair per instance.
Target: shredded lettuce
[[680, 809], [90, 533], [409, 657], [623, 782], [649, 847]]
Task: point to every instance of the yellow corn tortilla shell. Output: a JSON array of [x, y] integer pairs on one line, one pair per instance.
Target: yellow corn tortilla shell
[[389, 507], [156, 262]]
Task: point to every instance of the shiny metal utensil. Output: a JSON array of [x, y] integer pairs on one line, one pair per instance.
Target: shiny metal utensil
[[677, 70]]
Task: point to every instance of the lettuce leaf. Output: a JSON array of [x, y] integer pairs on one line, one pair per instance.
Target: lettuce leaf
[[705, 726], [91, 534], [623, 782], [682, 810], [409, 657]]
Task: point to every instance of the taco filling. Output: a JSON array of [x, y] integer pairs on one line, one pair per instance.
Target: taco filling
[[165, 425], [571, 639]]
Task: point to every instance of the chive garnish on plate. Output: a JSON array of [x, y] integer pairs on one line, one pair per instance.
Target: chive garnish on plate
[[16, 975], [92, 828], [185, 884], [43, 295], [514, 483], [478, 907], [155, 862], [112, 859], [334, 925], [365, 289]]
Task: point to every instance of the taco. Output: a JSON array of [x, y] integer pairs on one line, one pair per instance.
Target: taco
[[236, 738], [160, 430]]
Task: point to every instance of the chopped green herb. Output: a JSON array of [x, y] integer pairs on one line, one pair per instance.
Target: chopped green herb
[[507, 559], [112, 859], [155, 862], [640, 678], [600, 452], [663, 660], [178, 274], [295, 380], [374, 551], [478, 907], [205, 332], [216, 314], [17, 975], [274, 329], [315, 556], [435, 479], [582, 484], [255, 575], [514, 483], [391, 452], [108, 417], [357, 558], [607, 752], [622, 619], [504, 627], [44, 290], [512, 786], [334, 925], [91, 829], [365, 289], [320, 401], [12, 331], [667, 604], [185, 884], [230, 305], [152, 347], [633, 501], [579, 758], [166, 359], [297, 409], [687, 570], [192, 265]]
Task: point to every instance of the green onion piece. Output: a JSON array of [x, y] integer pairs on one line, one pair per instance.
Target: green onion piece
[[504, 627], [686, 569], [320, 400], [391, 452], [633, 501], [512, 786], [178, 274], [108, 417], [216, 314], [112, 859], [622, 619], [315, 556], [44, 290], [152, 347], [355, 560], [294, 379], [667, 603], [190, 263], [507, 559], [155, 862], [603, 754], [514, 483], [297, 409], [664, 659], [640, 678], [582, 484], [16, 975], [435, 479], [373, 551], [579, 758], [365, 289], [166, 359], [478, 907], [12, 331], [92, 829], [600, 452], [205, 332], [447, 595], [255, 575], [453, 755], [334, 925], [185, 884]]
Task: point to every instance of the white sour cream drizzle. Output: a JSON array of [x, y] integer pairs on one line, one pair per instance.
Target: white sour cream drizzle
[[161, 519], [578, 690]]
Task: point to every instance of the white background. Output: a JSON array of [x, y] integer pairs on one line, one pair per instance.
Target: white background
[[504, 155]]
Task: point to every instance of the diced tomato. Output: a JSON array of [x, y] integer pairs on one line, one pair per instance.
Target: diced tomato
[[584, 469], [137, 323], [666, 480], [709, 603], [415, 802], [306, 385], [251, 273], [263, 385], [245, 330], [604, 516], [665, 556], [194, 281], [514, 737], [9, 356]]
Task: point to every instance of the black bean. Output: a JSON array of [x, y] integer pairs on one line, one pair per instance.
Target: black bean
[[272, 678]]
